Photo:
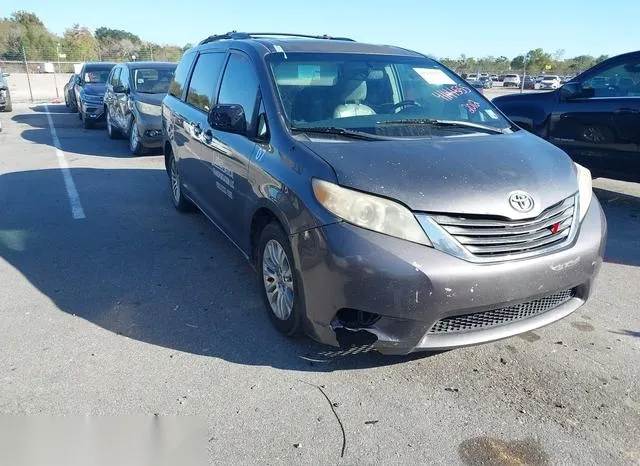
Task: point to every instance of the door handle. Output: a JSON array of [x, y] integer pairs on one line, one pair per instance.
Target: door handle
[[627, 111]]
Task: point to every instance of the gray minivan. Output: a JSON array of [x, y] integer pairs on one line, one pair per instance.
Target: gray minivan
[[132, 100], [385, 203]]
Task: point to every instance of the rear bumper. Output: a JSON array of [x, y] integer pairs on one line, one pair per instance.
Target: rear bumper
[[411, 287]]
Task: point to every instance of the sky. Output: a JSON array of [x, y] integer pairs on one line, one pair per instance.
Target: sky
[[440, 28]]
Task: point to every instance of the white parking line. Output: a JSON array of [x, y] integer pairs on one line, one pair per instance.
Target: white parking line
[[72, 193]]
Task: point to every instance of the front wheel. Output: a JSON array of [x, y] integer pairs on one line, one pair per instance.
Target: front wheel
[[279, 281], [135, 144]]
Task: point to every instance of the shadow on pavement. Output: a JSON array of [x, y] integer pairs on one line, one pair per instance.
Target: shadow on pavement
[[623, 220], [74, 139], [136, 267]]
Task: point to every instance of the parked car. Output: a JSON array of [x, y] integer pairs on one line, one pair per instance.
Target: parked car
[[337, 168], [529, 82], [69, 94], [511, 80], [132, 100], [550, 82], [494, 78], [478, 85], [89, 91], [472, 77], [5, 94], [595, 117], [486, 82]]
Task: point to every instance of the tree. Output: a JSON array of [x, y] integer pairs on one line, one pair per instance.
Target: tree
[[518, 63], [79, 44], [25, 31], [108, 34], [602, 58]]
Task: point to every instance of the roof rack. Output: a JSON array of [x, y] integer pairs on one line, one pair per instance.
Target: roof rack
[[248, 35]]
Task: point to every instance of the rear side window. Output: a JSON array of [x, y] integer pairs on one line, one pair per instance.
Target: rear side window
[[179, 78], [240, 85], [204, 80]]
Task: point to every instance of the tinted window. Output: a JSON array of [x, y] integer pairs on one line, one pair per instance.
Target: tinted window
[[617, 80], [179, 78], [240, 85], [204, 80]]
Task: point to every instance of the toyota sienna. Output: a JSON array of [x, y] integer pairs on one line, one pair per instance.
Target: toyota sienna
[[385, 203]]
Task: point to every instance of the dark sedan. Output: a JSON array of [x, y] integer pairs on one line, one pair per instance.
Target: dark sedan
[[595, 117]]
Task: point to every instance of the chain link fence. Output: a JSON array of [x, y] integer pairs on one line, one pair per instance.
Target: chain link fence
[[43, 79]]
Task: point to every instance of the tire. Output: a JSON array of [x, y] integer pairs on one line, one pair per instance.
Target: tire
[[135, 144], [66, 100], [279, 279], [181, 203], [113, 133], [8, 107]]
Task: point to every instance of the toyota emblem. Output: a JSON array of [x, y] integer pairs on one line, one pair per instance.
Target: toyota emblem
[[521, 201]]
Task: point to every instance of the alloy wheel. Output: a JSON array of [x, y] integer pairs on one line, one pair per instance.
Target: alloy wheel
[[134, 138], [278, 279], [175, 181]]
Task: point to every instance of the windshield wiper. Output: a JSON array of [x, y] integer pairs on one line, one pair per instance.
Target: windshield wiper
[[339, 131], [443, 123]]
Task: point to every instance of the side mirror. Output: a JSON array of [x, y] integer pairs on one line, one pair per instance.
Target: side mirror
[[120, 89], [228, 118], [571, 91]]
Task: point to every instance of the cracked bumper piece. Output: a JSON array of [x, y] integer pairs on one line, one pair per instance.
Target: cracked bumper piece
[[365, 289]]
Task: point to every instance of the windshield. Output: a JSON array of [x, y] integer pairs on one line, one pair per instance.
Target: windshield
[[152, 80], [376, 94], [96, 76]]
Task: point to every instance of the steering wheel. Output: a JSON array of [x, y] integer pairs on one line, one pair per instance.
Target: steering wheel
[[405, 103]]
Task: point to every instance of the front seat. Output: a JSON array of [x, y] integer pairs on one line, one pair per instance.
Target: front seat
[[352, 94]]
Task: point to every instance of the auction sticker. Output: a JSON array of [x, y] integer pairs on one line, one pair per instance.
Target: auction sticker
[[434, 76]]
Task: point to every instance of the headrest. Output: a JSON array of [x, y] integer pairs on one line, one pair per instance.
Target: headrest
[[354, 91]]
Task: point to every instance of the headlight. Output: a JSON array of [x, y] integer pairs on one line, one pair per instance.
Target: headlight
[[148, 109], [370, 212], [584, 189]]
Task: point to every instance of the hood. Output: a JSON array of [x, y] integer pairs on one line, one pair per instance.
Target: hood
[[465, 175], [95, 88], [151, 99]]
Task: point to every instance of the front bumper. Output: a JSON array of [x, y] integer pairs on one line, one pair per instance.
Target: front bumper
[[149, 129], [411, 287], [93, 111]]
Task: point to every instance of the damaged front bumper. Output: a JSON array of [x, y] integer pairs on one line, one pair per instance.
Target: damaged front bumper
[[365, 289]]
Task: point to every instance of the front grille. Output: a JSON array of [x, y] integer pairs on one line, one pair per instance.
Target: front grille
[[501, 316], [491, 237]]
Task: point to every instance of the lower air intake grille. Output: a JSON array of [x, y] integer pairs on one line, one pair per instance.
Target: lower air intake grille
[[501, 316]]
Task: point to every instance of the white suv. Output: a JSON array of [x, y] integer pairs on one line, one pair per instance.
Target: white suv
[[550, 82], [511, 80]]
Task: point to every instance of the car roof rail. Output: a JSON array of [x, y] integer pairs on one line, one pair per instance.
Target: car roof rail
[[249, 35]]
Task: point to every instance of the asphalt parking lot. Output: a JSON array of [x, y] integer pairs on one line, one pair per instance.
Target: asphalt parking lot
[[112, 302]]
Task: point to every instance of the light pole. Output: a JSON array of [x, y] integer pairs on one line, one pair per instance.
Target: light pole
[[55, 71]]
